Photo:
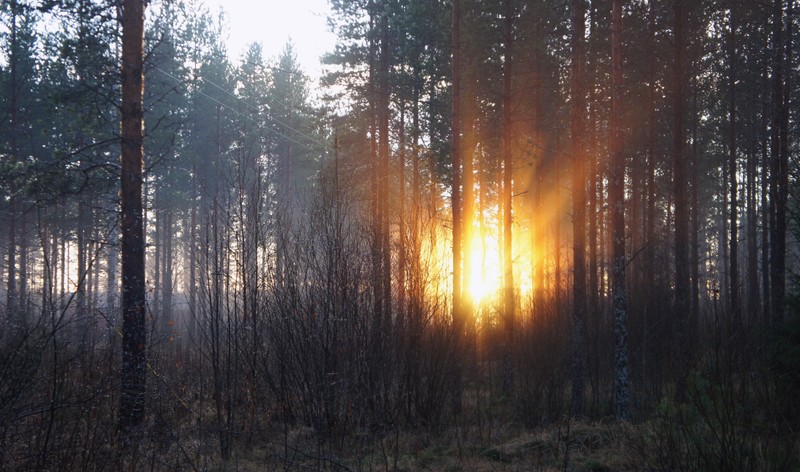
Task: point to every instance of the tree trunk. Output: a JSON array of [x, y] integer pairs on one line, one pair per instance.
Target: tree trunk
[[752, 235], [167, 256], [732, 172], [80, 291], [578, 206], [682, 305], [456, 204], [11, 287], [508, 172], [11, 282], [616, 195], [134, 332], [385, 180], [23, 299], [694, 256], [456, 150], [111, 270], [650, 217], [779, 174], [766, 221], [538, 221], [193, 242], [594, 181], [402, 253], [155, 302], [375, 250]]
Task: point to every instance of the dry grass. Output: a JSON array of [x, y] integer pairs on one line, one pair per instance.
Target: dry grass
[[581, 447]]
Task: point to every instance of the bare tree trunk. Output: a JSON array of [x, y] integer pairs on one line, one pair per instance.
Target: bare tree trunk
[[508, 173], [650, 217], [694, 256], [467, 143], [752, 235], [23, 245], [402, 259], [682, 305], [11, 282], [11, 287], [155, 303], [766, 221], [167, 256], [578, 206], [62, 292], [779, 175], [54, 261], [594, 181], [80, 291], [385, 180], [616, 196], [375, 251], [43, 235], [193, 254], [732, 172], [456, 204], [111, 268], [456, 150], [134, 331], [537, 227]]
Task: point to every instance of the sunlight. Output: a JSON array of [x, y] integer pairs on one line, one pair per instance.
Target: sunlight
[[485, 278]]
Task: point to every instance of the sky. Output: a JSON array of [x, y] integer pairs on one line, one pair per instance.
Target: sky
[[273, 23]]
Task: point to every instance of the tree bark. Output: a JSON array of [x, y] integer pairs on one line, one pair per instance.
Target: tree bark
[[682, 305], [593, 157], [752, 235], [732, 172], [779, 172], [456, 150], [578, 206], [766, 221], [134, 332], [616, 195], [456, 204], [167, 256], [385, 181], [508, 172], [11, 287], [650, 216], [694, 256]]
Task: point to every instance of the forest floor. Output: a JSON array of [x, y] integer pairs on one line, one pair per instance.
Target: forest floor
[[579, 446]]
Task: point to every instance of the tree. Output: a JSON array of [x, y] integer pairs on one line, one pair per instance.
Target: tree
[[578, 204], [455, 195], [732, 160], [616, 200], [17, 82], [508, 180], [779, 163], [134, 330], [682, 300]]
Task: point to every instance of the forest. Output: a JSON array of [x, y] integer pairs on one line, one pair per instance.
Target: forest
[[495, 235]]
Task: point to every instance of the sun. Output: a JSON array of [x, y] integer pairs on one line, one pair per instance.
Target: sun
[[484, 277]]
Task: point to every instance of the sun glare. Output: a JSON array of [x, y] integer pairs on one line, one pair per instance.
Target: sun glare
[[484, 279]]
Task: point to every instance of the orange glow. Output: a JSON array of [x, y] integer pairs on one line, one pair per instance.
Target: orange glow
[[486, 275], [483, 275]]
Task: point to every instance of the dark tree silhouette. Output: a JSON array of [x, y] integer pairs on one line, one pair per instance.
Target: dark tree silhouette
[[134, 332]]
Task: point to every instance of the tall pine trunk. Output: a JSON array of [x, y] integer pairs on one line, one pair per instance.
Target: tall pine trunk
[[508, 172], [456, 204], [616, 196], [11, 287], [578, 206], [134, 333], [682, 305], [732, 172]]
